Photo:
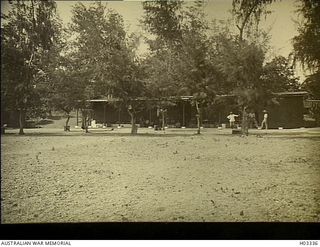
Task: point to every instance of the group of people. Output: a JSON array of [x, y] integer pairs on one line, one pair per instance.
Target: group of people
[[251, 119]]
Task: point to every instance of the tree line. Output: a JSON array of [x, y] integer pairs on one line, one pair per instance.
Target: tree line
[[45, 65]]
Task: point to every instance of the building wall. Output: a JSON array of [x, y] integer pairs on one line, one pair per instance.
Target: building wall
[[109, 114], [11, 118], [288, 113]]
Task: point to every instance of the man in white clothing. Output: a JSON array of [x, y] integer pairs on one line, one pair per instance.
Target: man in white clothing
[[265, 119], [232, 119]]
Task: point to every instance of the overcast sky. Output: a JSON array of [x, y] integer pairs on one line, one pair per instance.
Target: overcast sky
[[283, 28]]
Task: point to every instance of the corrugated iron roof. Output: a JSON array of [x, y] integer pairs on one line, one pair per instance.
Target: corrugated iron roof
[[311, 103], [300, 93], [188, 97], [111, 99]]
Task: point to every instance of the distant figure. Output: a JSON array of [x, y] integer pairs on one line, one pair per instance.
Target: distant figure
[[142, 122], [232, 119], [252, 120], [265, 119], [147, 123]]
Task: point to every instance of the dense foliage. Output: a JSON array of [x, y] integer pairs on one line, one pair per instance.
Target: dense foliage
[[45, 65], [307, 44], [29, 32]]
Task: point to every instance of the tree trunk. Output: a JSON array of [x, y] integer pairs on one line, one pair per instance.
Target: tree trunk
[[241, 34], [245, 122], [134, 129], [67, 127], [198, 124], [84, 124], [198, 117], [162, 113], [21, 122], [87, 124]]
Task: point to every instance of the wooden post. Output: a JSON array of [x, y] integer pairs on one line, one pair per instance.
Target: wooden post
[[198, 117], [104, 114], [163, 120], [183, 114], [149, 117], [77, 116]]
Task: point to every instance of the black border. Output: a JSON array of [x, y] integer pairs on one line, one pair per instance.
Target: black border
[[161, 231]]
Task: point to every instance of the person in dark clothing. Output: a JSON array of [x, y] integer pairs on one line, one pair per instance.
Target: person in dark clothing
[[252, 120]]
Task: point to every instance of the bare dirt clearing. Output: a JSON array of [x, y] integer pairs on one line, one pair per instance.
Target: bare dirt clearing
[[179, 177]]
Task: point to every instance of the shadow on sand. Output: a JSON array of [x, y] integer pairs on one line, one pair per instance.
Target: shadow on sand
[[95, 134], [45, 122], [54, 117], [170, 133]]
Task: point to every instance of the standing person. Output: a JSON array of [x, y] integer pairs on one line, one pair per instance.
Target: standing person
[[232, 119], [252, 120], [265, 119]]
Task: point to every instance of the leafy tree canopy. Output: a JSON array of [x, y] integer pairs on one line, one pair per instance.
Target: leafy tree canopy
[[278, 75], [163, 19], [307, 43], [248, 13], [30, 31]]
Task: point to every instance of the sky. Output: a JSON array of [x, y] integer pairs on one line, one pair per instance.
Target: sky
[[281, 22]]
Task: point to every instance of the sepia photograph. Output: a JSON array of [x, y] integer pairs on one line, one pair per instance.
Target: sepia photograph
[[160, 111]]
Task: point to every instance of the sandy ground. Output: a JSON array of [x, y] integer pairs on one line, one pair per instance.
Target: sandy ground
[[52, 176]]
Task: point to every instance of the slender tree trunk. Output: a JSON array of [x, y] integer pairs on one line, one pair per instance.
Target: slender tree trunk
[[67, 128], [162, 113], [134, 129], [198, 117], [198, 125], [132, 114], [84, 121], [245, 123], [241, 34], [21, 122], [87, 124]]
